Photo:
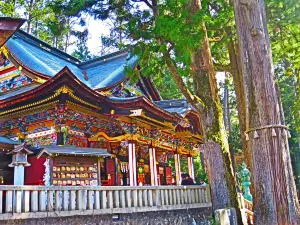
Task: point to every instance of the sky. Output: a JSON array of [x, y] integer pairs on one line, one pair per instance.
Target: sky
[[96, 29]]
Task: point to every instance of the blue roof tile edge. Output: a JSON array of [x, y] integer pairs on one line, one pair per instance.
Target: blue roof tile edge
[[111, 78]]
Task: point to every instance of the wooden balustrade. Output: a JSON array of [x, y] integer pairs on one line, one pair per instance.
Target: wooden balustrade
[[249, 211], [22, 202], [247, 208]]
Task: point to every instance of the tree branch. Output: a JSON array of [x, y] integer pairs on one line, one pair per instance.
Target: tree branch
[[221, 68], [196, 102]]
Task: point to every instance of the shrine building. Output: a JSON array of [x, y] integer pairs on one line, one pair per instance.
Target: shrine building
[[64, 122]]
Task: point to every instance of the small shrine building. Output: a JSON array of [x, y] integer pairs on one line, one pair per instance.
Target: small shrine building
[[85, 123]]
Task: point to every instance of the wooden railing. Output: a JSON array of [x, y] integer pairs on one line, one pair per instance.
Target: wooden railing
[[23, 202], [249, 211], [247, 208]]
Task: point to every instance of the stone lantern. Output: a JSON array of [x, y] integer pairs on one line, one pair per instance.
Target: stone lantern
[[19, 161]]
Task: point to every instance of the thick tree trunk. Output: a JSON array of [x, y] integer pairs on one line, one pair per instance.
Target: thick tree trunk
[[206, 89], [206, 101], [275, 201], [216, 172], [238, 82]]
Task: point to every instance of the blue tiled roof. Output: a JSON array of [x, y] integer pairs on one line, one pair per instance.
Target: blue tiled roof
[[102, 72], [179, 106], [110, 73], [39, 59]]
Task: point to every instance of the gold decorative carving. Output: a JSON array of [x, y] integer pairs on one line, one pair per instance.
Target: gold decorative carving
[[64, 89]]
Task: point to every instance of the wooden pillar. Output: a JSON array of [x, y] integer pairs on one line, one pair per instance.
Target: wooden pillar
[[177, 168], [132, 164], [99, 171], [191, 167], [116, 172], [153, 168]]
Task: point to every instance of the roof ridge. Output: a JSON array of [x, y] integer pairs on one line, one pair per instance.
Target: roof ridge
[[42, 44], [104, 57]]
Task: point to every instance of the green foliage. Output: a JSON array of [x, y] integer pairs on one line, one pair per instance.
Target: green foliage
[[167, 87], [82, 52]]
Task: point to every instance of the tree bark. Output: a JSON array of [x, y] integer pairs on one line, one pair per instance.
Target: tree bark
[[238, 83], [206, 89], [225, 104], [275, 201], [216, 172]]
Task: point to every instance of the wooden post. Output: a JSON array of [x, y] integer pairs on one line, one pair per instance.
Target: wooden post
[[1, 199], [123, 201], [116, 199], [157, 198], [150, 197], [27, 201], [166, 197], [130, 166], [110, 200], [79, 200], [99, 171], [57, 200], [72, 200], [90, 200], [151, 166], [154, 167], [18, 201], [178, 197], [170, 197], [65, 200], [128, 198], [97, 199], [162, 197], [135, 198], [34, 201], [50, 200], [191, 167], [134, 165], [104, 200], [145, 197], [177, 168], [42, 201]]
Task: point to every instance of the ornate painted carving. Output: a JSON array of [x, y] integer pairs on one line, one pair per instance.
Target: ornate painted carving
[[13, 81], [49, 139], [76, 140], [130, 128], [59, 114]]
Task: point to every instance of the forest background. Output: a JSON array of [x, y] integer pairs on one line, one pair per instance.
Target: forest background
[[64, 24]]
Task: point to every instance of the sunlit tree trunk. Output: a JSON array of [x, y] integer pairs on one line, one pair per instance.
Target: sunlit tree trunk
[[205, 82], [275, 200]]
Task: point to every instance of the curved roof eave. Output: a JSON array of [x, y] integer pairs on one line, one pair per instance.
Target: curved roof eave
[[117, 76], [142, 101], [42, 88]]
